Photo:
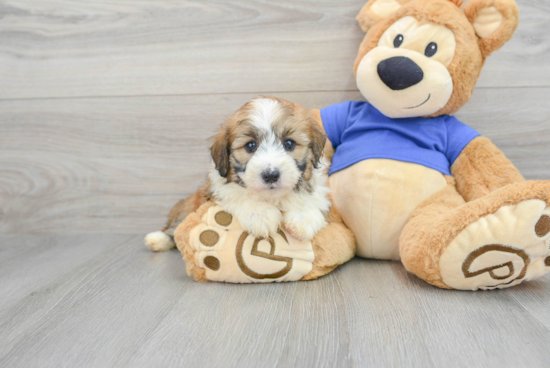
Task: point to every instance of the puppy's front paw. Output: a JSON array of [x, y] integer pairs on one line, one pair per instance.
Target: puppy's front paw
[[261, 222], [304, 225]]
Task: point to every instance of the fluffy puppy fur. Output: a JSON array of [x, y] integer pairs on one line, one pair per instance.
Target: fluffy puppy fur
[[270, 135], [267, 172]]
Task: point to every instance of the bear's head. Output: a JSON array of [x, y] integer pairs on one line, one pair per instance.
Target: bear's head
[[423, 57]]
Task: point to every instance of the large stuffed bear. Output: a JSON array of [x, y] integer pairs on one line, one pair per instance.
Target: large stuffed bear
[[411, 181]]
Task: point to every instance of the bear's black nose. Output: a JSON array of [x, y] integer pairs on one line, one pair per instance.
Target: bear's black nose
[[399, 73]]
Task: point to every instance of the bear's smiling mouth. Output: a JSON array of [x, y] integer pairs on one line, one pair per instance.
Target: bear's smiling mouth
[[414, 107]]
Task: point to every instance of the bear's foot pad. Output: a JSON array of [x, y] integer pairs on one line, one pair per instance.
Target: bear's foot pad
[[227, 253], [500, 250]]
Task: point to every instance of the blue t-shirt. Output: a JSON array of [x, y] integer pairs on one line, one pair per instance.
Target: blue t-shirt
[[358, 132]]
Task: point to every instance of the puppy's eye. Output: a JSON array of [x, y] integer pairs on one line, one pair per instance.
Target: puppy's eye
[[289, 144], [398, 40], [431, 49], [250, 147]]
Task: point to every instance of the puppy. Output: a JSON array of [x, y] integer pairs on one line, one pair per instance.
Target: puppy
[[268, 172]]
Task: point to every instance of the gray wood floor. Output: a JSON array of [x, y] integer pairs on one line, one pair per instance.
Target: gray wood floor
[[106, 108], [103, 301]]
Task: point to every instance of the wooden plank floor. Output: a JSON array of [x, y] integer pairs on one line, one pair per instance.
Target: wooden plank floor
[[104, 301], [106, 108]]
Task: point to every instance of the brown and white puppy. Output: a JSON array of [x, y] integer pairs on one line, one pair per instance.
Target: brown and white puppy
[[267, 172]]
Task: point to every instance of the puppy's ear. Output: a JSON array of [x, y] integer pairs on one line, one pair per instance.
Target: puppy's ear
[[376, 10], [494, 22], [317, 144], [220, 151]]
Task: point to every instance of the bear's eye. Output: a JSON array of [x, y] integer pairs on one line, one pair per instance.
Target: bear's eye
[[289, 144], [431, 49], [398, 40], [250, 147]]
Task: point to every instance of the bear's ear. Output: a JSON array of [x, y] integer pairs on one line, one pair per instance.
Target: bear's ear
[[494, 22], [376, 10]]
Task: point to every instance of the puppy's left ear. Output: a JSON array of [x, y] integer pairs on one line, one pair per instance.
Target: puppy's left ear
[[317, 144], [494, 21], [220, 151]]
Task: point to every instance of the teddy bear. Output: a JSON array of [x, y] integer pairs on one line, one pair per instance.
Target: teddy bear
[[411, 182]]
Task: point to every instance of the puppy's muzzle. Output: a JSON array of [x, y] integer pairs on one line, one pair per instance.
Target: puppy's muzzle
[[400, 73], [271, 177]]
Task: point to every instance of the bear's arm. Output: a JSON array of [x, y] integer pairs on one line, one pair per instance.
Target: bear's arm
[[329, 150], [482, 168]]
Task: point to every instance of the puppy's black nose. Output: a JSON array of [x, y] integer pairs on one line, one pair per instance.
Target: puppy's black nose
[[400, 73], [270, 177]]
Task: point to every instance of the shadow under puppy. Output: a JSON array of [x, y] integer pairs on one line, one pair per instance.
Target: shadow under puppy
[[268, 171]]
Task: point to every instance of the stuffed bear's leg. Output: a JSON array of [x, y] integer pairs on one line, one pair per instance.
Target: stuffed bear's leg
[[496, 241], [482, 168], [216, 248], [333, 246]]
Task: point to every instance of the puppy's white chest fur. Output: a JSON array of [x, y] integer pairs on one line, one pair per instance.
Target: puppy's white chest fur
[[302, 213]]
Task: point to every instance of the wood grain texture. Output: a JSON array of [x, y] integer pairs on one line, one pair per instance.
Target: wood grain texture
[[117, 165], [106, 301], [53, 48], [105, 112]]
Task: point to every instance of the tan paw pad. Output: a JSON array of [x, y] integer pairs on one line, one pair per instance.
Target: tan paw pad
[[227, 253], [499, 250], [223, 218], [209, 238], [542, 228], [212, 263]]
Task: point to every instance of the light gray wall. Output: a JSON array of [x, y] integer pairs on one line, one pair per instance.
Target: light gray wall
[[106, 108]]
